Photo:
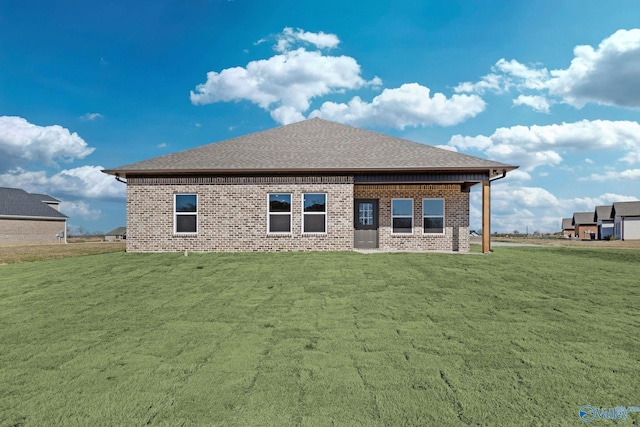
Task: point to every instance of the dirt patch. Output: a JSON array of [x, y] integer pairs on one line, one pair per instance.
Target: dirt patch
[[12, 254], [613, 244]]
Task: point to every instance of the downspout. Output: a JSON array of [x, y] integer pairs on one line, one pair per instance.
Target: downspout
[[504, 174], [65, 232], [622, 227], [120, 179]]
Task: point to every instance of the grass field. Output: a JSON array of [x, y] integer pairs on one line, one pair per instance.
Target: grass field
[[524, 336]]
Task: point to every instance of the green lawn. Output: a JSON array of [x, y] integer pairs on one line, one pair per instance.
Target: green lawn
[[524, 336]]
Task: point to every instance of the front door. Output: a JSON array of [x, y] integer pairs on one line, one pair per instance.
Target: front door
[[365, 235]]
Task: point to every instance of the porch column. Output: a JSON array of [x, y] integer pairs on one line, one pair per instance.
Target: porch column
[[486, 216]]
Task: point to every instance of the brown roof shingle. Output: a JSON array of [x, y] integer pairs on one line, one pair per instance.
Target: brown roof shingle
[[626, 208], [311, 145]]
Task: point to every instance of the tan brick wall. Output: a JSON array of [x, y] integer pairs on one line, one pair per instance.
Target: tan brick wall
[[15, 231], [456, 206], [233, 217]]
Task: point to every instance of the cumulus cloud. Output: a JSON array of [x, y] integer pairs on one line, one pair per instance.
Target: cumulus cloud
[[533, 146], [606, 75], [80, 209], [22, 142], [409, 105], [287, 83], [538, 103], [84, 182], [625, 175], [515, 207]]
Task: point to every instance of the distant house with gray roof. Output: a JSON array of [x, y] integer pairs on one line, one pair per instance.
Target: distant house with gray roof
[[30, 218], [311, 185], [626, 220], [116, 235], [604, 221], [585, 225], [568, 230]]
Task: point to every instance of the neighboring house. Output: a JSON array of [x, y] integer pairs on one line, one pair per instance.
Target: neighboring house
[[30, 218], [116, 235], [311, 185], [604, 221], [626, 220], [584, 225], [568, 230]]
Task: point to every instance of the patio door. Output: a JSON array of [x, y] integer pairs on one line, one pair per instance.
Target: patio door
[[365, 235]]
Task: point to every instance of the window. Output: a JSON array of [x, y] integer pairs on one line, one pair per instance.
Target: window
[[314, 213], [186, 213], [402, 216], [279, 213], [433, 216]]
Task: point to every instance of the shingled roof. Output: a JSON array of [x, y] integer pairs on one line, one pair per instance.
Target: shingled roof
[[313, 145], [603, 213], [626, 209], [581, 218], [567, 224], [15, 202]]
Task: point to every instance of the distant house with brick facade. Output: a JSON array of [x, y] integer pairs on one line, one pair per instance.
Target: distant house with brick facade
[[585, 225], [30, 218], [307, 186], [568, 229]]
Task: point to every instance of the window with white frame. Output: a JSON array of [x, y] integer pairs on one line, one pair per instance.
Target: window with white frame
[[314, 213], [279, 220], [433, 216], [402, 216], [185, 214]]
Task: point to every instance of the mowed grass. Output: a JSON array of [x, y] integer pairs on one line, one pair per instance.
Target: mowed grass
[[523, 336]]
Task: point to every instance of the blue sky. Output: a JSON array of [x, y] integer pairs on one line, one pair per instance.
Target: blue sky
[[552, 86]]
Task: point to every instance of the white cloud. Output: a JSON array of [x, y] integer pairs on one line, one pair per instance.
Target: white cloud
[[409, 105], [291, 80], [91, 116], [80, 209], [530, 147], [287, 83], [84, 182], [22, 142], [538, 103], [626, 175], [320, 40], [520, 208], [607, 75]]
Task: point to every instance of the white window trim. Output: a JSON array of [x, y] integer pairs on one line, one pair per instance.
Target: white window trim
[[290, 213], [176, 214], [444, 207], [402, 216], [325, 213]]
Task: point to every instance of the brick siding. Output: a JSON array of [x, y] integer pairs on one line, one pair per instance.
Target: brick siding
[[30, 231], [456, 221], [232, 217]]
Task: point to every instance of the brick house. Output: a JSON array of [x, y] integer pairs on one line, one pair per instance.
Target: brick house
[[311, 185], [568, 229], [585, 225], [30, 218]]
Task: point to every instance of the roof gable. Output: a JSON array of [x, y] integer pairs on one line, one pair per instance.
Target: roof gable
[[603, 213], [581, 218], [19, 203], [313, 145], [626, 209]]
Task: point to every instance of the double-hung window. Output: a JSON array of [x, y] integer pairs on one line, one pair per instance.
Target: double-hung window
[[185, 218], [314, 213], [433, 216], [279, 213], [402, 216]]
